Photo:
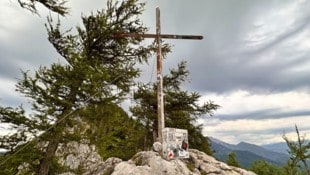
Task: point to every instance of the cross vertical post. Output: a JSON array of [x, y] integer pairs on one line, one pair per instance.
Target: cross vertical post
[[160, 96]]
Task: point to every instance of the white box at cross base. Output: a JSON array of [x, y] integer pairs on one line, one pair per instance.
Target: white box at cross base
[[175, 143]]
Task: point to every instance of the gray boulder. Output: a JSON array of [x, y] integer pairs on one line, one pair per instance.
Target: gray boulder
[[151, 163], [82, 156]]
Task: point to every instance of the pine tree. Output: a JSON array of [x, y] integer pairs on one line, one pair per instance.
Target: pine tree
[[232, 160], [113, 132], [181, 108], [100, 69], [261, 167], [292, 168], [299, 151], [57, 6]]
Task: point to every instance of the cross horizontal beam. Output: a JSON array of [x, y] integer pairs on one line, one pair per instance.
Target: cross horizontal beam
[[167, 36]]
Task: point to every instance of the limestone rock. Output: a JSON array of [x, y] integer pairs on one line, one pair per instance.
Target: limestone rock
[[24, 168], [150, 163], [107, 167], [75, 156], [82, 158], [209, 165], [157, 147]]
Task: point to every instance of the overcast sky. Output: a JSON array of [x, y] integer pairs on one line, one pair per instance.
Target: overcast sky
[[254, 59]]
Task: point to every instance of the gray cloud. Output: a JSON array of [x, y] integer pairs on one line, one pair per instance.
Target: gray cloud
[[240, 133], [219, 64], [304, 24], [272, 113]]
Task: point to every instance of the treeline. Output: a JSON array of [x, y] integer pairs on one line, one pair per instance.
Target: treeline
[[81, 100]]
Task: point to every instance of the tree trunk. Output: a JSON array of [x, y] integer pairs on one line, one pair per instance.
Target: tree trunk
[[45, 163], [155, 134]]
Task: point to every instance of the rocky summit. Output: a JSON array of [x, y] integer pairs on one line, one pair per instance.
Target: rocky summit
[[151, 163], [82, 158]]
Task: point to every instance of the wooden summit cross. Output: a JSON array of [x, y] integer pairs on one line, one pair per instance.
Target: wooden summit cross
[[158, 36]]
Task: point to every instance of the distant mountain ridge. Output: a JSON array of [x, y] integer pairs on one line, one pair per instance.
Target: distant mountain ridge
[[280, 147], [247, 153]]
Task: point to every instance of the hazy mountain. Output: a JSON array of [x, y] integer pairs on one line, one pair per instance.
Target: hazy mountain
[[247, 153], [245, 158], [281, 158], [226, 145], [280, 147]]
